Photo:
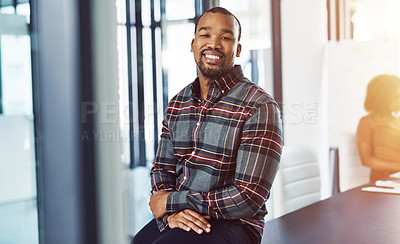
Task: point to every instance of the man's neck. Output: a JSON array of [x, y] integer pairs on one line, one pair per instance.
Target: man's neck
[[204, 85]]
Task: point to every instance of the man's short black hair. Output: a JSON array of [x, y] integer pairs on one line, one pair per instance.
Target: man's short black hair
[[221, 11]]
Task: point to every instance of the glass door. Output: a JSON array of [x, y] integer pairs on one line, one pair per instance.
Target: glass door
[[18, 201]]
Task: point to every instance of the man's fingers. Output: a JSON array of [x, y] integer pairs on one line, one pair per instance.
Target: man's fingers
[[175, 222], [183, 226], [194, 226], [198, 217], [184, 220], [196, 222], [178, 221]]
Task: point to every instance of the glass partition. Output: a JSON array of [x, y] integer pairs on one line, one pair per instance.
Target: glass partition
[[18, 202]]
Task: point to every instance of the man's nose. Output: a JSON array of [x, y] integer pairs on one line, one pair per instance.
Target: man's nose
[[214, 42]]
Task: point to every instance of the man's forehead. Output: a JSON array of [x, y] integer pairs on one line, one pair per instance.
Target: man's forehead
[[205, 17]]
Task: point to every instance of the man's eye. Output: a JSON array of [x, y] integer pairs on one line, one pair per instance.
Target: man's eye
[[225, 38], [205, 35]]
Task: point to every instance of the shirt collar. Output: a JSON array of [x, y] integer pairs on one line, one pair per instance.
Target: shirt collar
[[225, 83]]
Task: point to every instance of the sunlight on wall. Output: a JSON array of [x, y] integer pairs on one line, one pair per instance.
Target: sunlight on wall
[[374, 19]]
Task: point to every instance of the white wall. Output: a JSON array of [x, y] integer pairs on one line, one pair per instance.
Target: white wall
[[304, 36]]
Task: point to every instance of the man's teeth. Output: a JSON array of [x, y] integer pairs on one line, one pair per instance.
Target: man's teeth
[[212, 57]]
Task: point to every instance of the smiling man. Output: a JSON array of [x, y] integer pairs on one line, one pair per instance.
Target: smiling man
[[219, 150]]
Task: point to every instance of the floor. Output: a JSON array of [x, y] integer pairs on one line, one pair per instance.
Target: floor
[[137, 196], [19, 222]]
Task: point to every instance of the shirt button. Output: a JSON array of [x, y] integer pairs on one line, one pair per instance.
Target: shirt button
[[184, 177], [198, 123], [223, 91], [199, 100], [193, 153]]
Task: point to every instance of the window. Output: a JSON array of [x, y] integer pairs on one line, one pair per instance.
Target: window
[[18, 195], [139, 45]]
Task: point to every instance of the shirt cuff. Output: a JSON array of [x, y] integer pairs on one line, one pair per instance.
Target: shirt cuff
[[177, 200], [162, 224]]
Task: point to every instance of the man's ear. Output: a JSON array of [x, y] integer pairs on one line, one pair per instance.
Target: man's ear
[[191, 45], [238, 50]]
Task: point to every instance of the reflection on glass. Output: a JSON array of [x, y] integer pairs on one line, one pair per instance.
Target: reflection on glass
[[121, 11], [146, 15], [178, 9], [16, 75], [24, 9], [135, 100], [123, 92], [177, 58], [157, 13], [160, 92], [7, 10], [256, 56], [18, 208], [148, 98]]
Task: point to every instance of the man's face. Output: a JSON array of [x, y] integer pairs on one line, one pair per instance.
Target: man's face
[[215, 44]]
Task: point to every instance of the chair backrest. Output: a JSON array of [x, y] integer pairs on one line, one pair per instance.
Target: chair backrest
[[352, 172], [334, 163], [298, 181]]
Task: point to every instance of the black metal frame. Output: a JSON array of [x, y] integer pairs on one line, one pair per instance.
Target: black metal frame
[[130, 85], [140, 80], [139, 159], [153, 26], [88, 152], [277, 50]]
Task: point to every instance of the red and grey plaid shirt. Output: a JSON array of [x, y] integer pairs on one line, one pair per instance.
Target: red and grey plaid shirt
[[219, 156]]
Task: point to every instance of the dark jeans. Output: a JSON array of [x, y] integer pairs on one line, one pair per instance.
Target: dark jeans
[[222, 231]]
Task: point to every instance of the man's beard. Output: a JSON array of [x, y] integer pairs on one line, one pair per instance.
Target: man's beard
[[211, 73]]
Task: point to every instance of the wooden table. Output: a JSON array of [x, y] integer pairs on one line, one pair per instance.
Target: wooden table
[[348, 217]]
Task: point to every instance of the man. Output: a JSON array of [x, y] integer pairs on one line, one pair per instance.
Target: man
[[219, 150]]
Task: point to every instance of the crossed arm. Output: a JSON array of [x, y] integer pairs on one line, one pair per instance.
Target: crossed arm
[[186, 219], [257, 162]]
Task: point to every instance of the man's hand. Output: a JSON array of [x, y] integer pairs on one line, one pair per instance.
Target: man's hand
[[158, 203], [188, 219]]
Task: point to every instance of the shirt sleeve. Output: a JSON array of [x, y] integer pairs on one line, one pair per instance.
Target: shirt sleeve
[[257, 163], [162, 224], [163, 174]]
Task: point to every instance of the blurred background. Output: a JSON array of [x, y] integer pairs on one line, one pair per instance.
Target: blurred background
[[83, 87]]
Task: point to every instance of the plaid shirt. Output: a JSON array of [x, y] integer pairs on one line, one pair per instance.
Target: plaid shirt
[[219, 156]]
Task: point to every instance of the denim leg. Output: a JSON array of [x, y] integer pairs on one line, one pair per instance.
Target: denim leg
[[222, 232], [149, 233]]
